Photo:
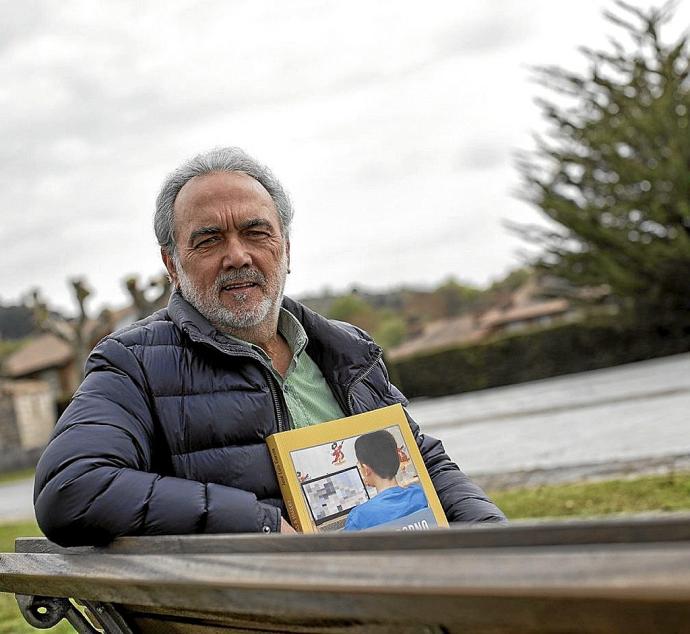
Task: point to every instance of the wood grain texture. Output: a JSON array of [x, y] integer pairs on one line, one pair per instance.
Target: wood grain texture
[[671, 528], [615, 576], [634, 572]]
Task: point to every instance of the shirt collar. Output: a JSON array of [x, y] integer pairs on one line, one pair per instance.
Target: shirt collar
[[291, 330]]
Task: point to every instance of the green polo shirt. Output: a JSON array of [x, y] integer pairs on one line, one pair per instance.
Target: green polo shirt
[[306, 392]]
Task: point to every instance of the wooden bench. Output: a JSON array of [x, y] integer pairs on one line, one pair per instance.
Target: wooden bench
[[615, 575]]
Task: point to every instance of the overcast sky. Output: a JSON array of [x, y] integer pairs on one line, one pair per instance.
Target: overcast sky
[[393, 125]]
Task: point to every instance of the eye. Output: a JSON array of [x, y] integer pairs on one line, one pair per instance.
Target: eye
[[258, 233], [207, 242]]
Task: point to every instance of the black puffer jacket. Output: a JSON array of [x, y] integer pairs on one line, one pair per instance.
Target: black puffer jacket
[[166, 433]]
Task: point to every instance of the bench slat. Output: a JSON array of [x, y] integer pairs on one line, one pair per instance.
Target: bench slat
[[670, 528], [614, 576]]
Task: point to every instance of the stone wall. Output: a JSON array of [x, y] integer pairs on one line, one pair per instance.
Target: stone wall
[[27, 419], [9, 433]]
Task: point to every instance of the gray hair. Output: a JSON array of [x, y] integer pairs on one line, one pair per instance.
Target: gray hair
[[222, 159]]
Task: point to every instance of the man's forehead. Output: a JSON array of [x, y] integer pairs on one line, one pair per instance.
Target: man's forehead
[[216, 187]]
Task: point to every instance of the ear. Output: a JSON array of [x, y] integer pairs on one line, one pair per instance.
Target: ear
[[367, 471], [169, 265], [287, 253]]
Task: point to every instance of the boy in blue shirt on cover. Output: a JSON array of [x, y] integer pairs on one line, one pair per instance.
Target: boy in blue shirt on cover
[[377, 454]]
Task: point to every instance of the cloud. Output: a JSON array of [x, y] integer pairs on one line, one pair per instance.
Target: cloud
[[359, 106], [482, 154], [19, 20], [486, 34], [99, 78]]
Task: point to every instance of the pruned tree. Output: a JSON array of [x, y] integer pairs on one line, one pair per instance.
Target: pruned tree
[[80, 332], [613, 175], [150, 297]]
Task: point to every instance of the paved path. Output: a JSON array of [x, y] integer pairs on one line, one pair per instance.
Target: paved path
[[632, 415], [16, 500], [631, 418]]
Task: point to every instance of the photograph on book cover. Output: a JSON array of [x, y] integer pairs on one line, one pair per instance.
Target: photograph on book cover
[[361, 482]]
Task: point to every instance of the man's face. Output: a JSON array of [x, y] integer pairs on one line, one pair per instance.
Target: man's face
[[231, 257]]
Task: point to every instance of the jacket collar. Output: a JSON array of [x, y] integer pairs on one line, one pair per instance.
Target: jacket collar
[[341, 351], [189, 319]]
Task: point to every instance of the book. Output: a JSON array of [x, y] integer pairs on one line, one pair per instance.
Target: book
[[363, 472]]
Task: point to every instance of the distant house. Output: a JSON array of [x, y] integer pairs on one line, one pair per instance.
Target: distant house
[[45, 358], [516, 318], [27, 419], [442, 333], [523, 308]]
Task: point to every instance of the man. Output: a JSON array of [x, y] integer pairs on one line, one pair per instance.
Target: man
[[166, 433], [379, 461]]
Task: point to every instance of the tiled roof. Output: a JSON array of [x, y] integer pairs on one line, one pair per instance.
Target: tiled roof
[[439, 334], [524, 313], [43, 352], [469, 329], [23, 387]]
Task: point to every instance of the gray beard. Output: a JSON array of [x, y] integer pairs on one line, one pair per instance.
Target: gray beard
[[220, 316]]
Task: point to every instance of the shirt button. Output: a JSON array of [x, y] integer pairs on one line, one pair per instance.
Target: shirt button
[[266, 529]]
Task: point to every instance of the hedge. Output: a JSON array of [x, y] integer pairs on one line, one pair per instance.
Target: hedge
[[573, 347]]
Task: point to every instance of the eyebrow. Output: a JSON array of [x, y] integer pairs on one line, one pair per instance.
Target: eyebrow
[[256, 222], [203, 231], [215, 229]]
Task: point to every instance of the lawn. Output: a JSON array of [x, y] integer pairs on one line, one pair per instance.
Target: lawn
[[640, 495], [11, 476], [648, 494], [11, 621]]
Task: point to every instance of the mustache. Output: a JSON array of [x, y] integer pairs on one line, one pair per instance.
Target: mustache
[[240, 275]]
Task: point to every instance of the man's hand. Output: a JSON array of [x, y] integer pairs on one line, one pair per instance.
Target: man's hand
[[285, 527]]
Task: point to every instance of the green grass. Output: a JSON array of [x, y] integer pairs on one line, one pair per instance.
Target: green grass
[[11, 476], [9, 532], [647, 494], [11, 621]]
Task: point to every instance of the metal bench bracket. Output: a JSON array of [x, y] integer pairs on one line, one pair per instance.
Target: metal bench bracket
[[45, 612]]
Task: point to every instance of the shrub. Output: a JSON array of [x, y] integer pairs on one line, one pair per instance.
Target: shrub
[[534, 355]]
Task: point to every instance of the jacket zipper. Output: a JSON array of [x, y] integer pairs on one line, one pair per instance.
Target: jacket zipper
[[359, 379], [277, 405]]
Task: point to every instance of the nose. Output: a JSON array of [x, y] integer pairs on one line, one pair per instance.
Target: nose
[[236, 254]]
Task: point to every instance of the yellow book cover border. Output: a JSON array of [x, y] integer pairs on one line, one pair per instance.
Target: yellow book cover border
[[282, 444]]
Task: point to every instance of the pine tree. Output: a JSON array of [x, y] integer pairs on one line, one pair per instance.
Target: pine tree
[[614, 173]]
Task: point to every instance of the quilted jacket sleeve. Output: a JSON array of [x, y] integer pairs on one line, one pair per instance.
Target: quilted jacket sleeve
[[94, 480], [462, 499]]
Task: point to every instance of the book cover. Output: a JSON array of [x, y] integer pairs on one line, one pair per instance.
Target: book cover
[[362, 472]]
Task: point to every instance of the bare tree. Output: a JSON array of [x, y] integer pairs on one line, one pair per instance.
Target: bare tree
[[81, 332], [148, 298]]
